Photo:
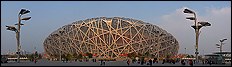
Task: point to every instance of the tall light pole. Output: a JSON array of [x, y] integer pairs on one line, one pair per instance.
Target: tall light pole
[[196, 26], [220, 46], [17, 31], [185, 50]]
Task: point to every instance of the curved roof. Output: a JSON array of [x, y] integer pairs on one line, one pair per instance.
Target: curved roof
[[111, 37]]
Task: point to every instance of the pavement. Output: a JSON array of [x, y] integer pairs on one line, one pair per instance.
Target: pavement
[[90, 63]]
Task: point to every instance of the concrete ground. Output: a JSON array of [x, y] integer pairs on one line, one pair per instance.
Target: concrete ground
[[90, 63]]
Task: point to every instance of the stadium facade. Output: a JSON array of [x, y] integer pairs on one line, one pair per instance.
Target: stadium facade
[[110, 38]]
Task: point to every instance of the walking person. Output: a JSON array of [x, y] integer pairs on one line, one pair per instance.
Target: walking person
[[142, 61], [63, 60], [173, 61], [163, 61], [210, 62], [155, 60], [35, 61], [182, 62], [150, 62], [101, 62], [104, 62], [138, 61], [190, 62], [128, 62]]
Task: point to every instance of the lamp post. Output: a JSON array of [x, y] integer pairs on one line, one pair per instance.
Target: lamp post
[[220, 46], [17, 30], [185, 50], [196, 26]]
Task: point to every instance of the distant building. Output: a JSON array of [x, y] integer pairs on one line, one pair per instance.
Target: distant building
[[219, 57], [226, 55]]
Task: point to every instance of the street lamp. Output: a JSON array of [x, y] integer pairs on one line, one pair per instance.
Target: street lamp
[[185, 50], [220, 46], [196, 26], [17, 31]]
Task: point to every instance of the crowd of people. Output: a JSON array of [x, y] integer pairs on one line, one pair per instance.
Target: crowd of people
[[183, 62], [142, 61]]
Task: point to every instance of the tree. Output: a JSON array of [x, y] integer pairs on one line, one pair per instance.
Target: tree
[[69, 56], [79, 56], [75, 55], [36, 55], [90, 55], [192, 56], [168, 55], [188, 56], [30, 56]]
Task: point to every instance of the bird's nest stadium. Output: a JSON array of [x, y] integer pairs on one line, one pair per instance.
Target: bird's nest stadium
[[113, 37]]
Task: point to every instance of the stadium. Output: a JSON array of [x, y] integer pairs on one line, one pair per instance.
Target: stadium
[[114, 37]]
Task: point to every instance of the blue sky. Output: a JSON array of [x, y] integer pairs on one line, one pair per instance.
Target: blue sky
[[48, 16]]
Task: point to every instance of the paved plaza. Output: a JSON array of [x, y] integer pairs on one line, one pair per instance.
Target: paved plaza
[[90, 63]]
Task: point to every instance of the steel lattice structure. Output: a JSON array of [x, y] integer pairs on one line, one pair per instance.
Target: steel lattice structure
[[110, 38]]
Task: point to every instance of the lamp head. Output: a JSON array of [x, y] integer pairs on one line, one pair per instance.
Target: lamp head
[[11, 28], [205, 23], [191, 18], [26, 18], [24, 11], [20, 24], [223, 40], [188, 11]]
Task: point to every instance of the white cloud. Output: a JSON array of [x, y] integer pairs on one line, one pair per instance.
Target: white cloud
[[176, 24], [222, 11]]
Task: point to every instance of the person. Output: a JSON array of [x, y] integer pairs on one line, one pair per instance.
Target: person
[[182, 62], [150, 62], [142, 62], [138, 61], [32, 60], [163, 61], [101, 62], [173, 61], [133, 61], [203, 62], [35, 61], [190, 62], [128, 62], [155, 60], [62, 59], [66, 60], [194, 61], [104, 62], [210, 62]]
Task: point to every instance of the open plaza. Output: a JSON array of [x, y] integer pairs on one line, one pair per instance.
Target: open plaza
[[44, 62]]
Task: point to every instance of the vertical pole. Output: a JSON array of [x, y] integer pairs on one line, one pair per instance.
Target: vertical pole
[[221, 47], [197, 35], [18, 37], [185, 50]]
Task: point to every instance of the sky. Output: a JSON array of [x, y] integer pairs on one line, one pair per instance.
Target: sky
[[48, 16]]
